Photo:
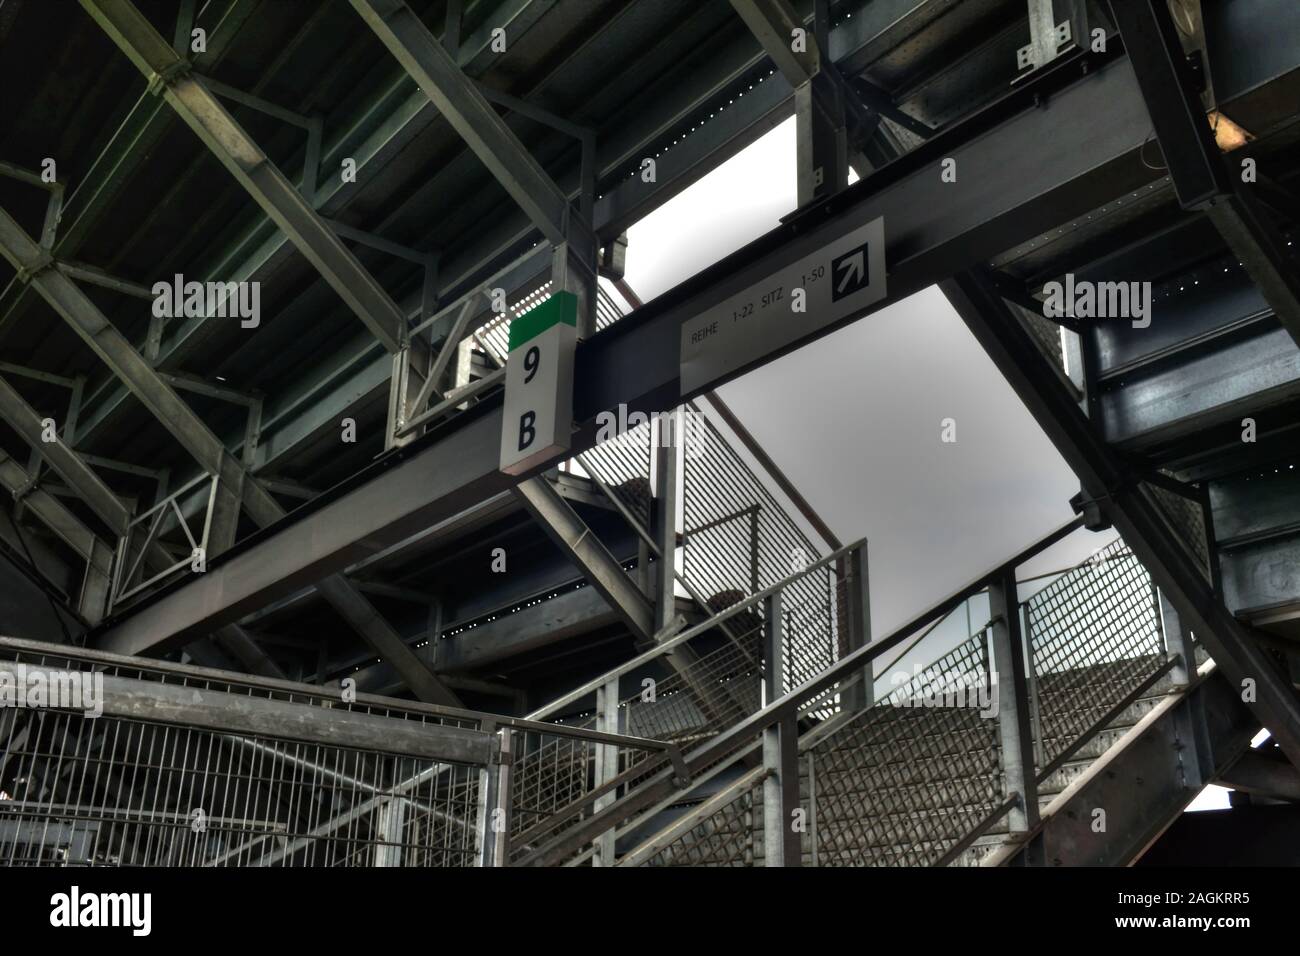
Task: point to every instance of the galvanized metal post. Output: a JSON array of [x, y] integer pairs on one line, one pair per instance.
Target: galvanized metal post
[[1035, 711], [1178, 643], [492, 827], [606, 765], [668, 488], [812, 808], [392, 819], [781, 841], [857, 596], [1013, 707]]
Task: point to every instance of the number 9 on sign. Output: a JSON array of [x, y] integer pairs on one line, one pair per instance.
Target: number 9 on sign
[[538, 414]]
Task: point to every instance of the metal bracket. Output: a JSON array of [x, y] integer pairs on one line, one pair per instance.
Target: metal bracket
[[27, 273], [1026, 58], [169, 75]]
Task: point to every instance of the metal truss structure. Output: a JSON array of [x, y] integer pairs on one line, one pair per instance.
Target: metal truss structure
[[261, 262]]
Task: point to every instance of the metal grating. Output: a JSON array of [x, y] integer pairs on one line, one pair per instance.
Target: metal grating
[[110, 791], [738, 540], [901, 783], [1095, 636], [1186, 518], [729, 837]]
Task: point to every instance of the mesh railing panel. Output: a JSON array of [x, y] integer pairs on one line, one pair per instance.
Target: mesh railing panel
[[904, 781], [623, 464], [1095, 636], [738, 540], [729, 837], [109, 791], [1186, 518]]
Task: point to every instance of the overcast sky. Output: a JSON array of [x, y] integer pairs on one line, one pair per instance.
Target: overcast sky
[[854, 418]]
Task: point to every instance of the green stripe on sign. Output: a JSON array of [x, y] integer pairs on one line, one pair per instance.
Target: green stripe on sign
[[560, 307]]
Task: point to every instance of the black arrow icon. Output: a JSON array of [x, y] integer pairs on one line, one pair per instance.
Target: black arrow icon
[[850, 273]]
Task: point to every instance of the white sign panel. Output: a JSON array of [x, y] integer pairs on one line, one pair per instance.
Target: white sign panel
[[538, 417], [839, 279]]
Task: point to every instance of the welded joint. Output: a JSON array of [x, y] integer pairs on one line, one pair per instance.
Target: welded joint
[[30, 270], [168, 76], [33, 483], [670, 629]]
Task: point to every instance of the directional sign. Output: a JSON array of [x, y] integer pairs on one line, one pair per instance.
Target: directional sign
[[843, 277], [538, 422]]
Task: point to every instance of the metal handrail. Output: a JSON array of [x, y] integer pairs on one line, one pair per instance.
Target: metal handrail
[[776, 711], [578, 693]]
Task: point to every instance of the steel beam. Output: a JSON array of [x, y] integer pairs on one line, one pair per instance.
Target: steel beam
[[471, 115], [68, 528], [1025, 168], [80, 477], [197, 439], [583, 549], [1130, 506], [1198, 172], [252, 168], [821, 137], [194, 706]]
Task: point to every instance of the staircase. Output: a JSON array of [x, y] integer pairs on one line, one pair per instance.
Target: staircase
[[910, 780]]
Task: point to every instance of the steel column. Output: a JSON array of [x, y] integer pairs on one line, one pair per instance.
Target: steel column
[[856, 587], [667, 496], [606, 766], [782, 843], [1014, 731]]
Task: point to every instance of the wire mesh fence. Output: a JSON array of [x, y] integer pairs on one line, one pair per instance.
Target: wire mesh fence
[[902, 782], [106, 789], [1095, 636], [737, 539]]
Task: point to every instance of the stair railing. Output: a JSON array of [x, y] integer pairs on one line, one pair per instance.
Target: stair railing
[[905, 785], [688, 688], [572, 830]]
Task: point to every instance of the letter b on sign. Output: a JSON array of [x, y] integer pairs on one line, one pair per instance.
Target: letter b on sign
[[538, 418]]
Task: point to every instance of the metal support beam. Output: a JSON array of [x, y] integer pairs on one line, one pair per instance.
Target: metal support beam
[[1129, 506], [857, 596], [668, 487], [606, 768], [821, 136], [92, 602], [1257, 774], [66, 463], [1014, 707], [1200, 176], [571, 534], [1009, 192], [235, 149], [782, 843], [472, 116], [234, 482], [492, 826]]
